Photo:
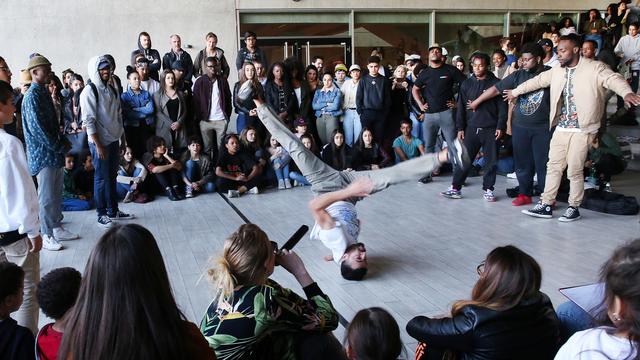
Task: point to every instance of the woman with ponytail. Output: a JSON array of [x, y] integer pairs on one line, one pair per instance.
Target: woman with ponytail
[[619, 337], [253, 317]]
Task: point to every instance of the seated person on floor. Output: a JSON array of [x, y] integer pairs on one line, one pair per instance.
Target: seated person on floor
[[199, 173], [507, 317], [72, 198], [373, 334], [57, 292], [131, 176], [251, 143], [337, 153], [164, 169], [236, 170], [280, 160], [16, 342], [505, 158], [84, 174], [300, 126], [367, 154], [618, 336], [295, 174], [253, 317], [407, 146], [604, 160]]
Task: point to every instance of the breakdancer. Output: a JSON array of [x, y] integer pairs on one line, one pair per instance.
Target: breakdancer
[[333, 209]]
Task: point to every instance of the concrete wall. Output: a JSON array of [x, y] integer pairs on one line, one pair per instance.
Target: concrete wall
[[69, 32]]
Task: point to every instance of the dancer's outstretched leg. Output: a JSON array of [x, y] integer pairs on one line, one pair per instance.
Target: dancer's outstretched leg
[[323, 178]]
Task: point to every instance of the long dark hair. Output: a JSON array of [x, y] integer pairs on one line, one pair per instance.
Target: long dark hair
[[125, 308], [295, 68], [373, 334], [360, 143], [510, 275], [340, 153], [621, 276], [285, 73], [252, 146]]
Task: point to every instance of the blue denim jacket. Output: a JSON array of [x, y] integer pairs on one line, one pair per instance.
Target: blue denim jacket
[[328, 102], [41, 130], [137, 107]]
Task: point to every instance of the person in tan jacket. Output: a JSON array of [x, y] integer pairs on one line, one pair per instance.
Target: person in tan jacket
[[578, 88]]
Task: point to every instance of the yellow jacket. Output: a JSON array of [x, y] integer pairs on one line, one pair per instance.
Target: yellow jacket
[[591, 81]]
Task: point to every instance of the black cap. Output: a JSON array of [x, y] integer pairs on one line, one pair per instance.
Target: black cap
[[177, 65]]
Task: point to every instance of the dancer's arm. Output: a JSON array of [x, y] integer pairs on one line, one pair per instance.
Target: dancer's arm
[[361, 187]]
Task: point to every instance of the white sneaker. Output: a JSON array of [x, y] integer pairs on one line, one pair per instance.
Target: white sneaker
[[50, 243], [233, 193], [287, 184], [512, 175], [254, 190], [60, 234]]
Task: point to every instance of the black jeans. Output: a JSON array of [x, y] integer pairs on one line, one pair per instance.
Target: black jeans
[[374, 120], [530, 154], [224, 184], [168, 179], [474, 140]]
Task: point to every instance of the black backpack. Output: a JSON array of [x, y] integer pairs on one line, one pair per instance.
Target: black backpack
[[610, 203]]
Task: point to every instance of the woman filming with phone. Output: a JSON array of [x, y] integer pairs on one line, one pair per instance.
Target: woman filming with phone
[[254, 317]]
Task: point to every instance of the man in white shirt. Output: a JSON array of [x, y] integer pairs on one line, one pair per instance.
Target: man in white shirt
[[20, 239]]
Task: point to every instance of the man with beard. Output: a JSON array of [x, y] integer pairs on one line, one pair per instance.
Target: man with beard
[[433, 93], [577, 91], [530, 128]]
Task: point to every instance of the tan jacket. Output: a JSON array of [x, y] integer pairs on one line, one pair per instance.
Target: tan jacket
[[591, 81]]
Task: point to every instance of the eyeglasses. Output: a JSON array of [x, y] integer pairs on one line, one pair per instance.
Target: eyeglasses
[[274, 246], [480, 268]]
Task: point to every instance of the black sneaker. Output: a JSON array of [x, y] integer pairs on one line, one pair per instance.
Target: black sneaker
[[103, 220], [571, 214], [178, 192], [246, 91], [171, 195], [119, 215], [540, 210], [425, 180], [458, 155]]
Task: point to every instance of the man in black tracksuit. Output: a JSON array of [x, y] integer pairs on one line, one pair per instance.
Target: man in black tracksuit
[[373, 99], [480, 128]]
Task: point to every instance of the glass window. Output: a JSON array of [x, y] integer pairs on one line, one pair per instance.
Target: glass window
[[392, 34], [527, 27], [463, 33]]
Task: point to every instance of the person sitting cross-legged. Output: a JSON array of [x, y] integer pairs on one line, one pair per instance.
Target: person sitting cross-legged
[[163, 168], [236, 170], [199, 172], [72, 198]]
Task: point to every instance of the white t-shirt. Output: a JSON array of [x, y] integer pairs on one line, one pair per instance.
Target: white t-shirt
[[596, 344], [150, 85], [216, 112], [345, 232]]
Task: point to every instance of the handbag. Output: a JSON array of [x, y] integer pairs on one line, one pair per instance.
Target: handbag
[[78, 142]]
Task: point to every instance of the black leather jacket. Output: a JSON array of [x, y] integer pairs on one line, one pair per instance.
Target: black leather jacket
[[243, 107], [528, 331]]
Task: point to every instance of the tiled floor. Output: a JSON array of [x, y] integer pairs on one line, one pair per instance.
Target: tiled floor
[[423, 248]]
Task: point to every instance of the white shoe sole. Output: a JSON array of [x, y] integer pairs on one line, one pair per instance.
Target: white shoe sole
[[541, 216], [564, 219]]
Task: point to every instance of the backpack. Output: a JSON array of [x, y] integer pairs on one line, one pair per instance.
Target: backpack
[[610, 203]]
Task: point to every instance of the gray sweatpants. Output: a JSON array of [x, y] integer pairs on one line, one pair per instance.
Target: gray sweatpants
[[324, 178]]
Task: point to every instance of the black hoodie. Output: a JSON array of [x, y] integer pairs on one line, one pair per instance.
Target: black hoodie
[[155, 62], [490, 114]]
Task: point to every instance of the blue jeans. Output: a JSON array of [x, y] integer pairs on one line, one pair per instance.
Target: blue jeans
[[76, 205], [282, 173], [572, 319], [416, 131], [241, 123], [432, 124], [104, 182], [351, 125], [121, 188], [50, 183], [192, 173], [296, 176]]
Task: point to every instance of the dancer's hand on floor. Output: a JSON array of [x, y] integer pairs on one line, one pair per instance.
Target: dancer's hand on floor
[[361, 187], [328, 258]]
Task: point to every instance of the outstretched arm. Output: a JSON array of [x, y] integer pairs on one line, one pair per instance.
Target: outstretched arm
[[361, 187]]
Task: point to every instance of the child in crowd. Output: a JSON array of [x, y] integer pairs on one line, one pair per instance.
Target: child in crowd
[[164, 169], [280, 162], [295, 174], [84, 175], [57, 292], [16, 342], [367, 154], [236, 170], [336, 153], [72, 198], [137, 111], [373, 334], [198, 174], [301, 127], [131, 176]]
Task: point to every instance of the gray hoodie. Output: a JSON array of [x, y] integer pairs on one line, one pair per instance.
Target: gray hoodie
[[103, 118]]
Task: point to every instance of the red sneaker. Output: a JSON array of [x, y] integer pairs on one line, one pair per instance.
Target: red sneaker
[[521, 200]]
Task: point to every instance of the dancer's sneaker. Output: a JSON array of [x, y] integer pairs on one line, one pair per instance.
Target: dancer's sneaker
[[489, 196], [458, 155], [452, 194], [571, 214], [540, 210], [246, 91], [521, 200]]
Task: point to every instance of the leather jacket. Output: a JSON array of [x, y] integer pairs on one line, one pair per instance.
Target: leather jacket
[[530, 330]]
